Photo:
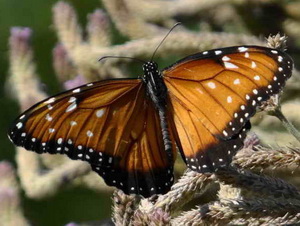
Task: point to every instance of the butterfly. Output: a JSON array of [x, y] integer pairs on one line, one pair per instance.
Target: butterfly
[[129, 130]]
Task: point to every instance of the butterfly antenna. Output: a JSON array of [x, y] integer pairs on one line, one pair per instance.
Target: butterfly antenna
[[131, 58], [175, 25]]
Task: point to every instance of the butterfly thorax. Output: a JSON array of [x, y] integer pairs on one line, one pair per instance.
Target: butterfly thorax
[[156, 88]]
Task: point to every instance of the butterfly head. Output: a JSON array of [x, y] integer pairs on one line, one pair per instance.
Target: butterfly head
[[150, 69], [150, 66]]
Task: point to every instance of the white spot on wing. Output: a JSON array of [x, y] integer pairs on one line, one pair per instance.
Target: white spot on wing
[[253, 64], [19, 125], [225, 58], [89, 133], [60, 140], [242, 49], [72, 99], [73, 123], [48, 118], [211, 85], [229, 99], [218, 52], [51, 100], [71, 107], [257, 77], [100, 113], [237, 81], [230, 65], [76, 90]]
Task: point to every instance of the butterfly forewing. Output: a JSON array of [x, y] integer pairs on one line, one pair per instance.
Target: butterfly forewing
[[216, 93], [43, 121], [110, 124]]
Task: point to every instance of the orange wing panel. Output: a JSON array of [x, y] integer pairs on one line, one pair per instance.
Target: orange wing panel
[[191, 70], [203, 151]]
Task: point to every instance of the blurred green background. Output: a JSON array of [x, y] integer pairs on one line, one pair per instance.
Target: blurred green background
[[76, 204]]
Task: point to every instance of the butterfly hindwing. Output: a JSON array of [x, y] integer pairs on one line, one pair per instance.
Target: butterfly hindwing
[[202, 151], [145, 167], [110, 124]]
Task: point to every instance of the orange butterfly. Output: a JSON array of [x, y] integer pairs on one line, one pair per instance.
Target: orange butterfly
[[129, 129]]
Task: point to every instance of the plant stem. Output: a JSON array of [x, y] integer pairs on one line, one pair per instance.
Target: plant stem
[[286, 123]]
